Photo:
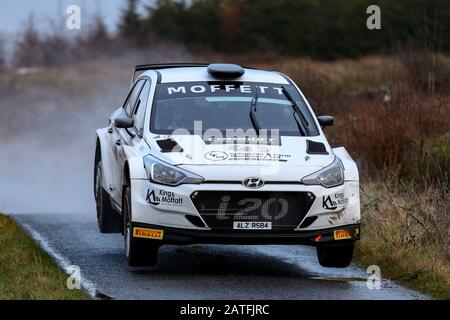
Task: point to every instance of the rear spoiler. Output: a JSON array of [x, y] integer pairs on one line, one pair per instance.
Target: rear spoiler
[[140, 69]]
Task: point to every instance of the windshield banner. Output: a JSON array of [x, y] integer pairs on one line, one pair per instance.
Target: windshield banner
[[167, 91]]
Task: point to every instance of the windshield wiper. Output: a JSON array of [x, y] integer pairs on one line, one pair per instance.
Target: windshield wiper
[[302, 123], [253, 117]]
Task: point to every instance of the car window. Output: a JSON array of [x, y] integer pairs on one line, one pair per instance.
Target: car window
[[141, 106], [132, 96], [225, 106]]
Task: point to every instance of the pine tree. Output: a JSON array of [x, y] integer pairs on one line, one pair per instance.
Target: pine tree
[[130, 25]]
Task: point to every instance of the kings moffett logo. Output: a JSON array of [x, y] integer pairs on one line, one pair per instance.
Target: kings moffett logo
[[163, 197]]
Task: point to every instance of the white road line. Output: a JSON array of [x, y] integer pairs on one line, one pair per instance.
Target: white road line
[[62, 261]]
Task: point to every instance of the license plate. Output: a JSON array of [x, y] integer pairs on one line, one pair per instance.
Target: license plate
[[244, 225]]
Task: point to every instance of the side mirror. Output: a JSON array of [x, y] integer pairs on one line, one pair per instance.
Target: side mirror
[[325, 121], [123, 121]]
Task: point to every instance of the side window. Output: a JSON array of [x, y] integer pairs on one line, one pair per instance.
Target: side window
[[141, 106], [132, 96]]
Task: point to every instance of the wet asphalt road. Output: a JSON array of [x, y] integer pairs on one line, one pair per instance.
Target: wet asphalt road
[[200, 271]]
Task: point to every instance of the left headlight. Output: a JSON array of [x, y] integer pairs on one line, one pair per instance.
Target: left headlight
[[163, 173], [329, 177]]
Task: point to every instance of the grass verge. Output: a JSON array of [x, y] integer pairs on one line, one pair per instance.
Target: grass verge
[[405, 231], [26, 272]]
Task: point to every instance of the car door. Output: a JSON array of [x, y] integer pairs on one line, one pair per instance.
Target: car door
[[123, 137]]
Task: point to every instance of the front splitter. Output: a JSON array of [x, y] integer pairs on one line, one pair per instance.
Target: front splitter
[[311, 237]]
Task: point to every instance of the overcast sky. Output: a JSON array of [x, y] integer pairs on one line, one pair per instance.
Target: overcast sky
[[13, 13]]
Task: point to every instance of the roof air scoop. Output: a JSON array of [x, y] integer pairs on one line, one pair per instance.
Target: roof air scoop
[[225, 71]]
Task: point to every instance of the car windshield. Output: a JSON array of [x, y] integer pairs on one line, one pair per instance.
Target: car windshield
[[226, 106]]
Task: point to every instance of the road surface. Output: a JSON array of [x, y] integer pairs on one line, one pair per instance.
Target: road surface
[[198, 271]]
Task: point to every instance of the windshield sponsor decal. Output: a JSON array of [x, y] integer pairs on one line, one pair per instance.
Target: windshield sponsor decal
[[333, 201], [246, 156], [240, 89], [163, 197]]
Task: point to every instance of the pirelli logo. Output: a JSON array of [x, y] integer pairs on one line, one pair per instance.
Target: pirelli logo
[[342, 234], [148, 233]]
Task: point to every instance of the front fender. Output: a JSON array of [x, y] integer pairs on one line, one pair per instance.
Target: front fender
[[351, 170], [134, 156], [103, 142]]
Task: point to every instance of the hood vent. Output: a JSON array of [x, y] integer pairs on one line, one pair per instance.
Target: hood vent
[[169, 145], [313, 147]]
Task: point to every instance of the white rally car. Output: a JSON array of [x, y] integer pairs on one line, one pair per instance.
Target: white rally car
[[227, 155]]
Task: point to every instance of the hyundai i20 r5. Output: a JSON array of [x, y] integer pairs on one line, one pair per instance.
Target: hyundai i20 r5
[[226, 155]]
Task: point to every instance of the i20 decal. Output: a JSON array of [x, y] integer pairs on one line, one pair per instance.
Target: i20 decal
[[249, 208]]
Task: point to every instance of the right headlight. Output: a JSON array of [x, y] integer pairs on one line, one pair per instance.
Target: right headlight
[[167, 174], [329, 177]]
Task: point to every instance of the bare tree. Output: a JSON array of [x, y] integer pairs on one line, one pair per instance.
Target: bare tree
[[2, 53], [96, 40], [55, 46], [98, 33], [55, 50], [27, 51]]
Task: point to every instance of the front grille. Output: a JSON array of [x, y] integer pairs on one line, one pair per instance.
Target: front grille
[[220, 209]]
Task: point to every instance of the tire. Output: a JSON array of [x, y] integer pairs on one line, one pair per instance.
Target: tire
[[139, 252], [108, 220], [335, 256]]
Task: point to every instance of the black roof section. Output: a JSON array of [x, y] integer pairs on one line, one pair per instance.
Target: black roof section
[[225, 71]]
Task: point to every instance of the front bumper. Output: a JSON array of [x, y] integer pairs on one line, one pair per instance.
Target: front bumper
[[313, 237], [171, 207]]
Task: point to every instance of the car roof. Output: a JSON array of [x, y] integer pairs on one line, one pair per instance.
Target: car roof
[[200, 73]]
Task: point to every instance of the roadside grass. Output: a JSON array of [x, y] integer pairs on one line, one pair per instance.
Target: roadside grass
[[393, 116], [406, 232], [26, 272]]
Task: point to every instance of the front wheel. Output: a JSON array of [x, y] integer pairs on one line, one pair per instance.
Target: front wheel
[[335, 256], [139, 252]]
